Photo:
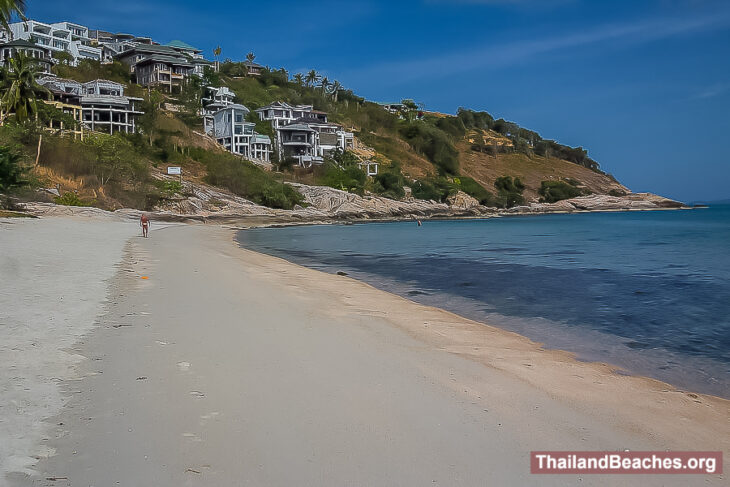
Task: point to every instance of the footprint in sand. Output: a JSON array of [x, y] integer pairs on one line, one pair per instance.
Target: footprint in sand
[[183, 366], [196, 394]]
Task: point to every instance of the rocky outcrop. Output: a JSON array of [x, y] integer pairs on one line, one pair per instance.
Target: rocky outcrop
[[599, 202], [462, 201], [341, 204], [203, 203]]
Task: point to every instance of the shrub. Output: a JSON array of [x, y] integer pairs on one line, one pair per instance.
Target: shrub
[[389, 182], [437, 189], [475, 190], [509, 191], [351, 178], [552, 191], [246, 179], [70, 198], [434, 144], [12, 174]]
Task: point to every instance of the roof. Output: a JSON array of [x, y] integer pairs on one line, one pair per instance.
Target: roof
[[297, 126], [234, 106], [252, 64], [23, 43], [182, 45], [160, 58]]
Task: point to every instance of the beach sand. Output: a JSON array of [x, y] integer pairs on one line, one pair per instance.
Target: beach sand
[[213, 365]]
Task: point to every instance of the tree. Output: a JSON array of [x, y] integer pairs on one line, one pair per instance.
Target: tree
[[63, 57], [151, 108], [250, 57], [311, 78], [8, 8], [336, 87], [20, 90], [216, 53], [11, 172], [324, 84]]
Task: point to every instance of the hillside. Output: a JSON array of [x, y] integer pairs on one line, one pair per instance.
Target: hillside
[[422, 155]]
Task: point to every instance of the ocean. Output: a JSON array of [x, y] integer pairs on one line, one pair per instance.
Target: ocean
[[648, 292]]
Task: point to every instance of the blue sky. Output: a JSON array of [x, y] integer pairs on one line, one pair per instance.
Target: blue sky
[[643, 85]]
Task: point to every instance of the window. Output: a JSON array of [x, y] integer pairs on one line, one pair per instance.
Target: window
[[238, 130], [239, 118]]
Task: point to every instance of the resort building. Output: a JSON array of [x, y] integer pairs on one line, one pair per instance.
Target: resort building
[[154, 65], [252, 68], [233, 132], [58, 37], [194, 54], [281, 113], [42, 55], [218, 98], [309, 146], [298, 141], [104, 108]]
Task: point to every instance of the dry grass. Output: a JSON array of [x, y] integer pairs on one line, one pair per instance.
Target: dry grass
[[531, 170]]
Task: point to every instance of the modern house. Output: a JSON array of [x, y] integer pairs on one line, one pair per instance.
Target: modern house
[[298, 141], [327, 138], [42, 55], [66, 98], [58, 37], [252, 68], [233, 132], [193, 53], [218, 98], [154, 65], [281, 113], [104, 108]]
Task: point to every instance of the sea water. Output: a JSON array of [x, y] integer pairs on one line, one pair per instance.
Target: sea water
[[648, 292]]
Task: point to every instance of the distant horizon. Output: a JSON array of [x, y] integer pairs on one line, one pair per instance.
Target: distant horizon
[[643, 89]]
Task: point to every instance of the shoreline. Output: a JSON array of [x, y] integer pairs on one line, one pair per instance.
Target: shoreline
[[563, 403]]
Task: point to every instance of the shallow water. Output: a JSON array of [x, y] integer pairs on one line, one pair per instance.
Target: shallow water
[[646, 291]]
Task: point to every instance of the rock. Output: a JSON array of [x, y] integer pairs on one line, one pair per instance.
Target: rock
[[462, 201]]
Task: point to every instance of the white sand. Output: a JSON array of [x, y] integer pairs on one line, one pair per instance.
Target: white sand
[[53, 282], [227, 367]]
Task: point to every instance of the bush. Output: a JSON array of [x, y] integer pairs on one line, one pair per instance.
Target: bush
[[437, 189], [475, 190], [389, 182], [351, 178], [70, 199], [552, 191], [12, 174], [434, 144], [246, 179], [509, 191]]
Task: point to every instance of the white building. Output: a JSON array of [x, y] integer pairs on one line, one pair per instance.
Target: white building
[[216, 99], [307, 146], [58, 37], [104, 108], [40, 54], [233, 132]]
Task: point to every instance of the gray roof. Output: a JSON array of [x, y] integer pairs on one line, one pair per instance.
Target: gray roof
[[297, 126]]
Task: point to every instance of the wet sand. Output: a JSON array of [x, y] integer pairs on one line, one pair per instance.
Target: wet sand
[[228, 367]]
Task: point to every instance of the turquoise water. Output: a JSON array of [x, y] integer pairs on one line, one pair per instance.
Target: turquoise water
[[646, 291]]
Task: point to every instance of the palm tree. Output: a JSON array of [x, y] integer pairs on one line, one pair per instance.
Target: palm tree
[[216, 53], [311, 78], [299, 79], [20, 90], [324, 84], [250, 57], [336, 86], [7, 9]]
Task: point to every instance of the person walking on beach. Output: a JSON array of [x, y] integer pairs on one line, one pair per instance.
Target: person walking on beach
[[144, 222]]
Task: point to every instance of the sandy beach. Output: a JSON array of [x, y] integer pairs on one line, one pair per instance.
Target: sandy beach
[[184, 360]]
